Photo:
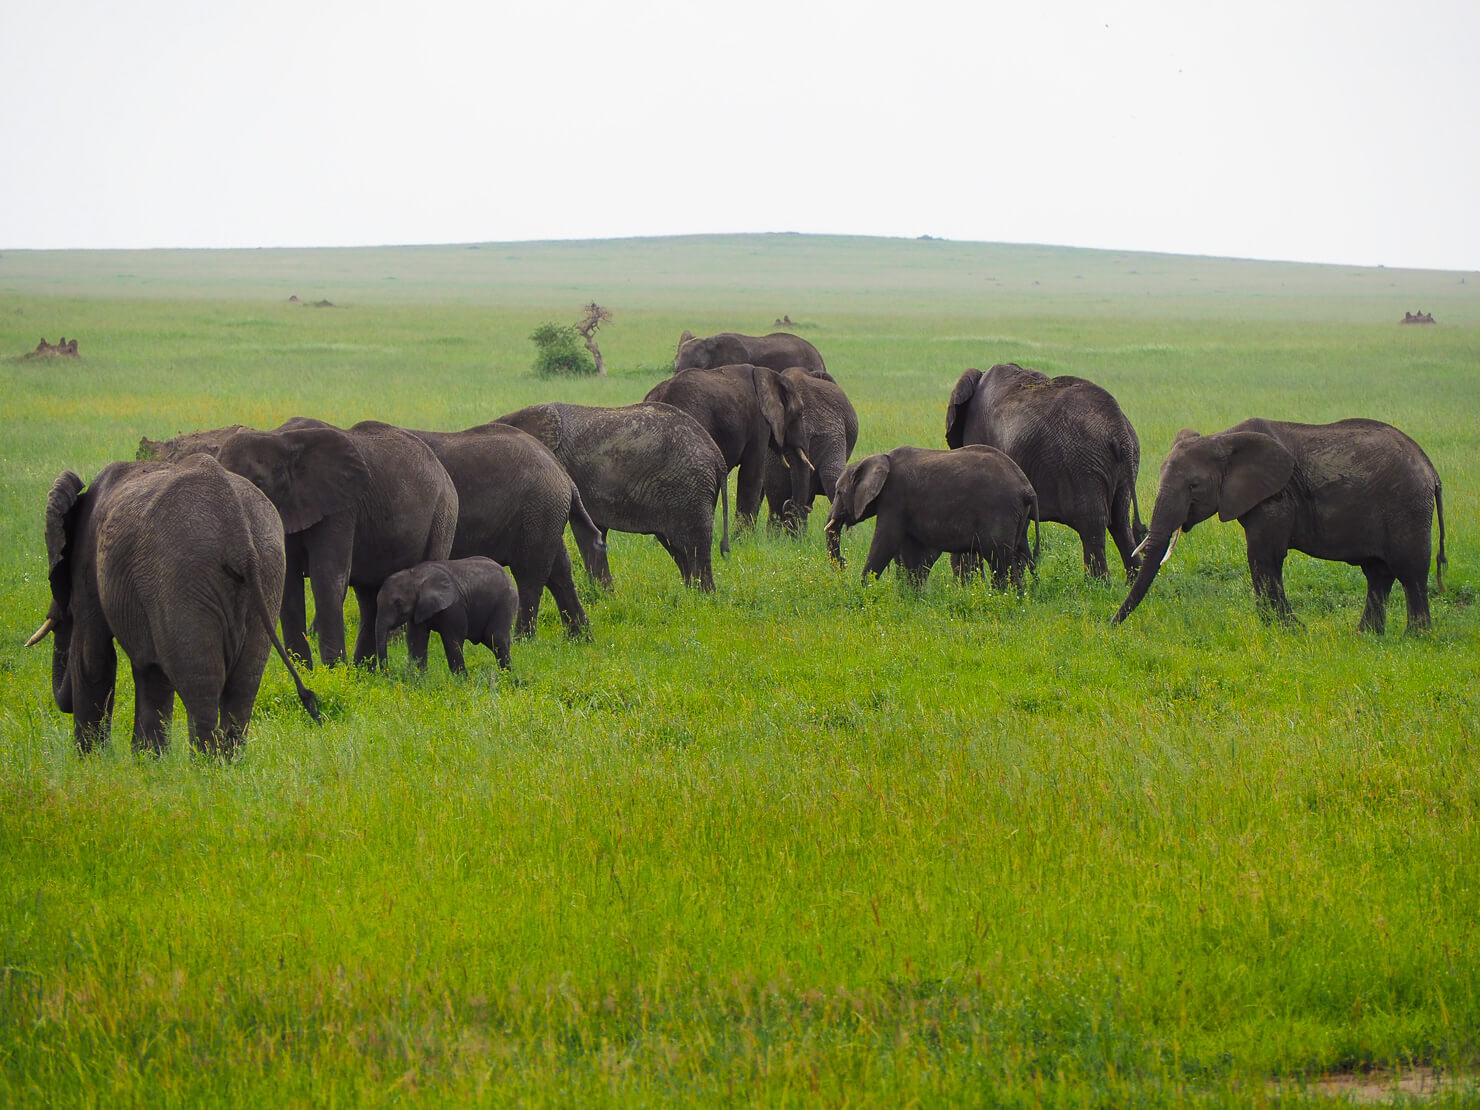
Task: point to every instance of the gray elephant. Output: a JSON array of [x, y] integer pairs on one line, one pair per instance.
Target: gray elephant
[[1356, 491], [358, 504], [1071, 440], [647, 468], [514, 499], [181, 564], [746, 410], [459, 599], [831, 429], [974, 502], [778, 350]]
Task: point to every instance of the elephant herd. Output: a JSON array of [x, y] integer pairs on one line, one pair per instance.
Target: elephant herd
[[185, 556]]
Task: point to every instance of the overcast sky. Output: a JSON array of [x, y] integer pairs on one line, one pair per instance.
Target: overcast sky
[[1332, 132]]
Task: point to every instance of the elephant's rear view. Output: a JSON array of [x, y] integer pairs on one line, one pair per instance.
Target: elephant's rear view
[[646, 468]]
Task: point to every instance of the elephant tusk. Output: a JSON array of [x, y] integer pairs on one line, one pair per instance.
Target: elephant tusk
[[1172, 546], [1141, 546], [40, 634], [805, 459]]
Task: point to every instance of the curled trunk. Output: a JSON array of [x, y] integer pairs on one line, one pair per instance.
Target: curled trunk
[[1165, 524]]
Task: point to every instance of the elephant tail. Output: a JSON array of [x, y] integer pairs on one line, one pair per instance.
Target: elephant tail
[[1442, 561], [259, 603], [724, 496], [581, 524], [1037, 536]]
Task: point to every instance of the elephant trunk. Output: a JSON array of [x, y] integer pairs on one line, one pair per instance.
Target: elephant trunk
[[1166, 526], [61, 672], [833, 530], [387, 618]]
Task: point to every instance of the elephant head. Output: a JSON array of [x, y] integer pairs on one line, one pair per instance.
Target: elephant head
[[1227, 473], [417, 594], [858, 488], [61, 506], [956, 408], [307, 472], [707, 353]]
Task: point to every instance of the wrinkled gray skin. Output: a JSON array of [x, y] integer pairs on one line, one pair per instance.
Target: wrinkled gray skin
[[358, 504], [778, 351], [831, 430], [746, 410], [206, 442], [181, 564], [974, 502], [1071, 440], [514, 499], [1356, 491], [459, 599], [646, 468]]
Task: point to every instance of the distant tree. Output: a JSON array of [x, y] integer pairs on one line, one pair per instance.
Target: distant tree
[[558, 351], [594, 317]]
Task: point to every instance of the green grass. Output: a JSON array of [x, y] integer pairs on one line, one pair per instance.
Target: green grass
[[802, 840]]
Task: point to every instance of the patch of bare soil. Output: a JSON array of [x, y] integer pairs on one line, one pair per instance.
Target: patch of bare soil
[[1382, 1088]]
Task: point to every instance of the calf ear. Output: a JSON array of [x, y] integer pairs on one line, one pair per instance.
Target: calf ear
[[873, 472], [328, 474], [437, 592], [956, 407], [1258, 467]]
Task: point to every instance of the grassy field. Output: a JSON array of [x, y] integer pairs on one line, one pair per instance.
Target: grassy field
[[799, 841]]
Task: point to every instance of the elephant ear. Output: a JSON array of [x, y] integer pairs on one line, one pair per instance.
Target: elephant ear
[[956, 408], [1258, 467], [66, 491], [873, 472], [437, 592], [326, 474], [781, 405]]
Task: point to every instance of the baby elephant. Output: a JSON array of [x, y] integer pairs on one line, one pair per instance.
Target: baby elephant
[[461, 599], [973, 502]]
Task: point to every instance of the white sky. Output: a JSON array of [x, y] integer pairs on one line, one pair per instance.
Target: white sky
[[1314, 131]]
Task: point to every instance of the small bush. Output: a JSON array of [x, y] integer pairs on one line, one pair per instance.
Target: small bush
[[559, 351]]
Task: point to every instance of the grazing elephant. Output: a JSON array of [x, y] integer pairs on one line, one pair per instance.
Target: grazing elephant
[[513, 501], [1072, 441], [1357, 491], [975, 503], [646, 468], [358, 504], [831, 429], [459, 599], [779, 350], [745, 409], [180, 563]]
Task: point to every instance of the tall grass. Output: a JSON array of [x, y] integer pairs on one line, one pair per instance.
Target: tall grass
[[803, 840]]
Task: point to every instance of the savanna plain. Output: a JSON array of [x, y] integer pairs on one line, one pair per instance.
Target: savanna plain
[[801, 841]]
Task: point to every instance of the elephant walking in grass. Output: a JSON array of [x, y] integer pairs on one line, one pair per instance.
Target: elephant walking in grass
[[975, 503], [1071, 440], [182, 565], [829, 430], [1356, 491], [459, 599], [647, 468], [779, 350], [513, 501]]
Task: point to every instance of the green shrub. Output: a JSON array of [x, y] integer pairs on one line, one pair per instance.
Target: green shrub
[[558, 350]]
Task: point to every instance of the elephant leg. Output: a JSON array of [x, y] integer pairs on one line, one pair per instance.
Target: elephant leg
[[293, 613], [1266, 567], [1415, 580], [368, 598], [93, 678], [530, 592], [1092, 537], [965, 564], [154, 707], [915, 562], [329, 553], [1121, 532], [888, 538], [750, 485], [452, 626], [562, 586], [239, 694], [417, 635], [1379, 586], [452, 648], [498, 643]]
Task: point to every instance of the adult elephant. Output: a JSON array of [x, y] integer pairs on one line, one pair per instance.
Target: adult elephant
[[647, 468], [358, 504], [513, 501], [1071, 440], [1356, 491], [779, 350], [830, 430], [745, 409], [181, 564]]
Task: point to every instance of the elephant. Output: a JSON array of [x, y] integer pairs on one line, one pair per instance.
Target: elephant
[[358, 504], [831, 430], [513, 501], [745, 409], [1073, 442], [459, 599], [182, 564], [974, 502], [647, 468], [779, 350], [1356, 491], [206, 442]]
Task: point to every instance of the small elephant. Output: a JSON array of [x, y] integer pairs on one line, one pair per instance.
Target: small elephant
[[459, 599], [974, 502], [1072, 441], [1356, 491], [182, 564], [778, 350], [830, 429], [647, 468], [746, 410], [513, 501]]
